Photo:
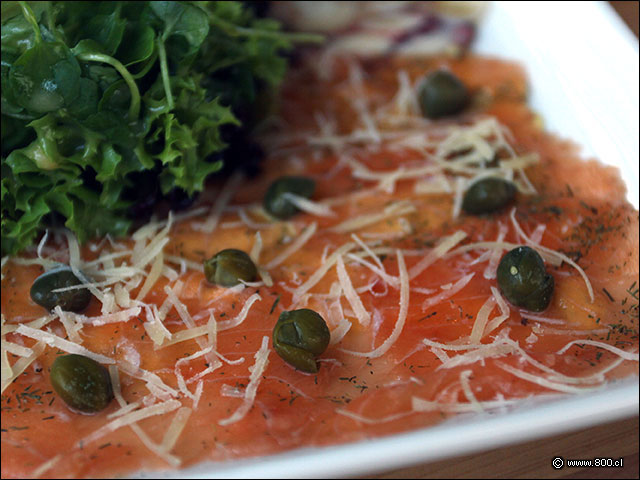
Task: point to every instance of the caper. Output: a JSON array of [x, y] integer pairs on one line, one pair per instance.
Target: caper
[[82, 383], [229, 266], [487, 195], [442, 94], [73, 300], [275, 201], [299, 337], [523, 279]]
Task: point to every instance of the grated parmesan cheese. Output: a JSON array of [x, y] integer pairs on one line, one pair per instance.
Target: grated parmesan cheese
[[352, 297], [338, 333], [117, 393], [481, 320], [504, 312], [64, 345], [123, 299], [152, 278], [117, 317], [197, 266], [45, 466], [154, 383], [175, 429], [15, 370], [15, 349], [394, 210], [75, 263], [561, 387], [124, 409], [632, 356], [371, 421], [154, 326], [238, 319], [491, 270], [308, 206], [402, 314], [448, 293], [322, 270], [478, 354], [258, 368], [296, 245], [71, 326], [466, 389], [441, 354], [439, 251], [254, 254], [133, 417], [458, 196], [420, 405]]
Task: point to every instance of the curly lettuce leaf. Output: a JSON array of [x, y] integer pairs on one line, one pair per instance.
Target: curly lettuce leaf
[[158, 83]]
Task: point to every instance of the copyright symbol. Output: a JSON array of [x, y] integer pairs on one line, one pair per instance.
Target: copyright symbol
[[558, 463]]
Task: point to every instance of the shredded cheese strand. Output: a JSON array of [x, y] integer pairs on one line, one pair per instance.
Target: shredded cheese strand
[[492, 350], [455, 288], [481, 320], [45, 466], [439, 251], [65, 345], [16, 349], [75, 263], [631, 356], [391, 280], [152, 278], [394, 210], [22, 364], [262, 360], [296, 245], [256, 249], [420, 405], [234, 322], [372, 421], [322, 270], [175, 429], [133, 417], [402, 314], [308, 206], [543, 382], [466, 389], [144, 438], [352, 297]]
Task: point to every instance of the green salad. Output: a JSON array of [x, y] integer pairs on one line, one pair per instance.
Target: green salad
[[109, 106]]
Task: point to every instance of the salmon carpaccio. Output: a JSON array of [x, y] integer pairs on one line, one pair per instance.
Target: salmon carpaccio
[[386, 178]]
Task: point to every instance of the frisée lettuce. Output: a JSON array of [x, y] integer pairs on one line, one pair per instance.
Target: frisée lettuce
[[107, 103]]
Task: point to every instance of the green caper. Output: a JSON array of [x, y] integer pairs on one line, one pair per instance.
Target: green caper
[[82, 383], [277, 204], [442, 94], [229, 266], [299, 337], [523, 279], [487, 195], [74, 300]]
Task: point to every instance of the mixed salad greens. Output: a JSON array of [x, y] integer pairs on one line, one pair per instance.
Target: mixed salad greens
[[109, 106]]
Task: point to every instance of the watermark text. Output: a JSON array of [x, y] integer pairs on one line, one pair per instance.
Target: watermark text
[[559, 462]]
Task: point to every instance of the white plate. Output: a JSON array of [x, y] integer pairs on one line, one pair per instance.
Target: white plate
[[582, 62]]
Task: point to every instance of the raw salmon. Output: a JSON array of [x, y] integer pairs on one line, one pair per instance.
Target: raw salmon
[[574, 207]]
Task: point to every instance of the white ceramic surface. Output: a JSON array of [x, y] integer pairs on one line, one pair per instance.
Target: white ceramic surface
[[582, 63]]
